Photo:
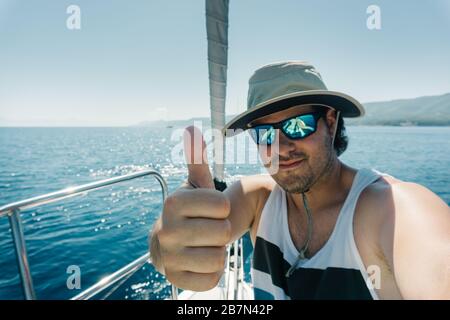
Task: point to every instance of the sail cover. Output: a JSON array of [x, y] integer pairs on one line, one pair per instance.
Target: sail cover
[[217, 35]]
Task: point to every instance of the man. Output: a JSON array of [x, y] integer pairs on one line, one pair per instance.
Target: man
[[320, 229]]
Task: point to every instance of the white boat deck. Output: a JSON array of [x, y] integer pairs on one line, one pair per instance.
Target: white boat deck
[[244, 291]]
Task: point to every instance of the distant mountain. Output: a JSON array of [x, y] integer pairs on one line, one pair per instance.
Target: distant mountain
[[422, 111]]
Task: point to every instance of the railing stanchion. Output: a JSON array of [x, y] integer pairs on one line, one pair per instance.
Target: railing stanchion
[[174, 293], [21, 253]]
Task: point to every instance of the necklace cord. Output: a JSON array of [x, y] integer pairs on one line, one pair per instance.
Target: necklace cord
[[301, 255]]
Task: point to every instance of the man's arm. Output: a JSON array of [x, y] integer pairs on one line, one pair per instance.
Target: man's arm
[[247, 198], [416, 234]]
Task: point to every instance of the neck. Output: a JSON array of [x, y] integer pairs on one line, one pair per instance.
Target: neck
[[329, 188]]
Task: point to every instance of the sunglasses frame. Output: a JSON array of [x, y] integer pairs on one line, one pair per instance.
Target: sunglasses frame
[[279, 125]]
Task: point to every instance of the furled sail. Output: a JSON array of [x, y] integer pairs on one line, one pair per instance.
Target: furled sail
[[217, 34]]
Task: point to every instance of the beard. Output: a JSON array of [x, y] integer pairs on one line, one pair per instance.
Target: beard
[[312, 169]]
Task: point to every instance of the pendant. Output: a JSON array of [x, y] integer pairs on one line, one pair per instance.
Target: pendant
[[301, 255]]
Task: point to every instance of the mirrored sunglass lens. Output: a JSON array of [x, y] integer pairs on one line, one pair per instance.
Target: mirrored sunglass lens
[[300, 127], [263, 135], [267, 136]]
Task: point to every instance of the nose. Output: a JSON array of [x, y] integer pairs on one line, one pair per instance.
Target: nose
[[285, 145]]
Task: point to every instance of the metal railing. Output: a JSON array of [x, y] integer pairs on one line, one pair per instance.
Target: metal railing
[[13, 211], [113, 278]]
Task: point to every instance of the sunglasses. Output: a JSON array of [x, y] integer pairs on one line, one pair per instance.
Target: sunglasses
[[296, 128]]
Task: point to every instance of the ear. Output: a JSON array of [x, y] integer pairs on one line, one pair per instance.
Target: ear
[[331, 119]]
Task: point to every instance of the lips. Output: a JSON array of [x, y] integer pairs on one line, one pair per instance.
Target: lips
[[290, 164]]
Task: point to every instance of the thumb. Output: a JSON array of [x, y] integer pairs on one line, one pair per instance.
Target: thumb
[[196, 158]]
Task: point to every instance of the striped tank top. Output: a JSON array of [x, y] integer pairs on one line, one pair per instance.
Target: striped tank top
[[336, 271]]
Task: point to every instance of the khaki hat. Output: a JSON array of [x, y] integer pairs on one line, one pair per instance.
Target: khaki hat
[[279, 86]]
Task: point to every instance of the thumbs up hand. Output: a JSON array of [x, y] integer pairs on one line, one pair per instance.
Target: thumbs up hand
[[194, 229], [199, 175]]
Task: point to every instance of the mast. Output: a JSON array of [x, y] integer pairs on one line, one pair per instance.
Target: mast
[[217, 35]]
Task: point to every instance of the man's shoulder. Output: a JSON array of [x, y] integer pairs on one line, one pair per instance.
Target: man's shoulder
[[255, 189], [379, 192], [262, 184], [390, 200], [388, 192]]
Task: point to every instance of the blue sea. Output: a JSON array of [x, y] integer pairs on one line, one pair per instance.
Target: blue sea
[[104, 230]]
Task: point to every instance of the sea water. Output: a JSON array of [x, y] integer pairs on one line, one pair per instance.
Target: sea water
[[104, 230]]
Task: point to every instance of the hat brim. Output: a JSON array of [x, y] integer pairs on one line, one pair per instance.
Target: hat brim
[[348, 106]]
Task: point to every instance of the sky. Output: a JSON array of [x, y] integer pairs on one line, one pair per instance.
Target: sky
[[145, 60]]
